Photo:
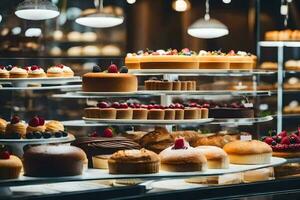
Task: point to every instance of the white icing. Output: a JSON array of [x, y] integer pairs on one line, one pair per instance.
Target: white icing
[[56, 70], [293, 80], [3, 70], [246, 137], [37, 71], [294, 104], [161, 52], [67, 69], [129, 55], [203, 53], [241, 53], [17, 70]]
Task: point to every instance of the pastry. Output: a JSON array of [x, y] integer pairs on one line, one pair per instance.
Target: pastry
[[139, 113], [133, 162], [55, 71], [36, 124], [150, 85], [170, 59], [54, 126], [183, 85], [92, 112], [169, 114], [53, 161], [189, 85], [284, 145], [35, 72], [120, 82], [269, 66], [293, 65], [293, 83], [91, 50], [164, 85], [100, 161], [292, 108], [213, 60], [3, 72], [68, 72], [190, 136], [157, 140], [218, 140], [240, 60], [132, 61], [204, 113], [252, 152], [104, 144], [16, 128], [182, 158], [106, 111], [89, 36], [10, 166], [3, 124], [74, 36], [264, 174], [17, 72], [216, 157], [191, 113], [124, 112], [111, 50], [156, 114], [176, 85]]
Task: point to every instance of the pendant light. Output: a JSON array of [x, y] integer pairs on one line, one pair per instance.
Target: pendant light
[[97, 18], [36, 10], [207, 27]]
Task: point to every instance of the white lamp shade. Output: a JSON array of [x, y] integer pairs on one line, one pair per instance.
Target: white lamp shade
[[208, 29], [36, 10], [99, 20]]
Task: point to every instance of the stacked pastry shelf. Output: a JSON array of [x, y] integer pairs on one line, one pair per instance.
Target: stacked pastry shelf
[[282, 73], [167, 95]]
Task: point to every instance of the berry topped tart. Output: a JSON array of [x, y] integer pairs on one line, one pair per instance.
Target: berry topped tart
[[10, 166], [213, 60], [35, 71], [114, 79], [162, 59], [286, 145]]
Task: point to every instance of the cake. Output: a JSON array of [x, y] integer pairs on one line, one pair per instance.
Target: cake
[[3, 72], [240, 60], [118, 82], [55, 71], [191, 113], [252, 152], [139, 113], [183, 85], [35, 71], [216, 157], [283, 35], [169, 114], [284, 145], [16, 129], [157, 140], [36, 124], [3, 124], [182, 158], [10, 166], [104, 144], [17, 72], [264, 174], [53, 161], [170, 59], [93, 112], [176, 85], [100, 161], [234, 110], [156, 114], [133, 162], [213, 60]]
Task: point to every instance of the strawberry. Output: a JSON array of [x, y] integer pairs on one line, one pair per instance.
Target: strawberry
[[112, 68], [295, 139], [103, 104], [108, 132], [15, 119], [4, 155], [34, 122], [179, 143], [123, 105], [115, 105], [283, 134], [285, 140], [268, 140]]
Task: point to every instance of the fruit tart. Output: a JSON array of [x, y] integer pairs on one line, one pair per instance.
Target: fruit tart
[[36, 124], [35, 71], [10, 166], [16, 129]]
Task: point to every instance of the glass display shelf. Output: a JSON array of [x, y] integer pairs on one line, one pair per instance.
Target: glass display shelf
[[201, 72], [242, 121], [66, 88], [98, 174], [279, 43], [95, 95]]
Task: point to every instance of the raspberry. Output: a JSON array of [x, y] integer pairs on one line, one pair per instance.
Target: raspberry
[[285, 140], [107, 133], [269, 140], [115, 105], [41, 121], [15, 119], [283, 134], [193, 105], [150, 107], [34, 122], [103, 104], [179, 143], [185, 50], [34, 67], [112, 68], [123, 105], [94, 134], [231, 52]]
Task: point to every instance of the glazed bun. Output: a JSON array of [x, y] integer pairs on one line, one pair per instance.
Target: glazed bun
[[252, 152], [216, 157]]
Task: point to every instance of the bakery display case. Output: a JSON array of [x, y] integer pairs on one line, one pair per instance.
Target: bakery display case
[[83, 115]]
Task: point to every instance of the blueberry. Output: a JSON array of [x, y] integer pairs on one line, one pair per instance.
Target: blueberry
[[37, 135], [278, 139], [97, 69], [15, 136], [47, 135], [29, 135], [8, 67], [124, 70], [64, 134], [273, 143], [58, 134]]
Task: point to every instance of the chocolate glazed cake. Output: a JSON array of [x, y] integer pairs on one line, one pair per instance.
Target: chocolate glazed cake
[[93, 146], [231, 113]]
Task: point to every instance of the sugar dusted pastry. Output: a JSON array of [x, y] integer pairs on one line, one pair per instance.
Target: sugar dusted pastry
[[182, 158]]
